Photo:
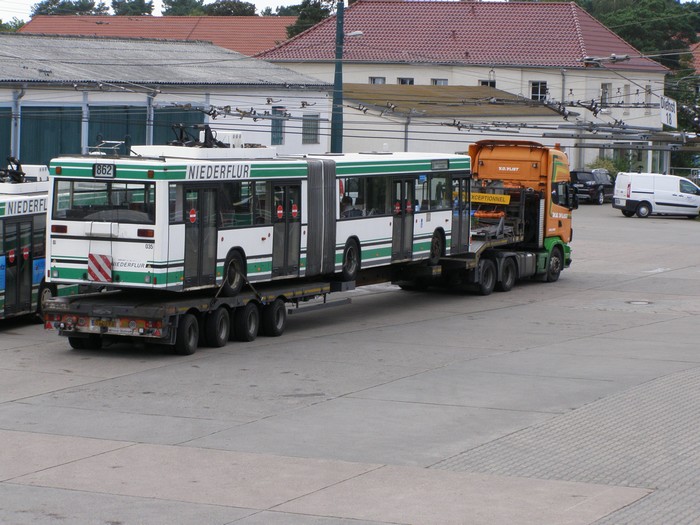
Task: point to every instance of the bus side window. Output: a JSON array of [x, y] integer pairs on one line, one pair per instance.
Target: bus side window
[[39, 236], [175, 203]]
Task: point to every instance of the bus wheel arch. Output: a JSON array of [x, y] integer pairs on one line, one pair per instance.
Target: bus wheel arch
[[235, 272], [437, 247], [352, 259]]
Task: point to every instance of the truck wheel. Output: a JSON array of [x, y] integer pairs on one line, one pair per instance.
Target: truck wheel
[[187, 335], [643, 210], [487, 277], [234, 274], [351, 260], [627, 213], [217, 326], [437, 249], [76, 343], [600, 198], [247, 322], [509, 274], [555, 265], [91, 342], [274, 318]]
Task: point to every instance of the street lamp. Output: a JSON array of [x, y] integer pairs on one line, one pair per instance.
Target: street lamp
[[337, 109]]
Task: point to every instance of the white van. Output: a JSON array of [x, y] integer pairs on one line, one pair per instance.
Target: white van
[[646, 193]]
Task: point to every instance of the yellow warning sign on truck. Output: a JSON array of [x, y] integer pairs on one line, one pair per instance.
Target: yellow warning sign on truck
[[490, 198]]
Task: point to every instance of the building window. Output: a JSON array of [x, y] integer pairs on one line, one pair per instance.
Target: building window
[[310, 129], [377, 80], [277, 125], [538, 90], [605, 90], [438, 81], [405, 81], [487, 83]]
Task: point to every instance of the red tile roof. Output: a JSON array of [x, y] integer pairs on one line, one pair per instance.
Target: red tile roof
[[245, 34], [464, 33]]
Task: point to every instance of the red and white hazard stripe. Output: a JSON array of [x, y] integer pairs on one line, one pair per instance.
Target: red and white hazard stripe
[[100, 268]]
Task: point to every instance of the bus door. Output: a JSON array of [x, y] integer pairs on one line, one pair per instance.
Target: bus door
[[18, 265], [200, 236], [403, 206], [461, 209], [286, 231]]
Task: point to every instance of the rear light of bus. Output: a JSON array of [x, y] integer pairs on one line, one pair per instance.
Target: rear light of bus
[[145, 232], [59, 228]]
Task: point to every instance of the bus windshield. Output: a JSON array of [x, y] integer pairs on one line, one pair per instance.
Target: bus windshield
[[125, 202]]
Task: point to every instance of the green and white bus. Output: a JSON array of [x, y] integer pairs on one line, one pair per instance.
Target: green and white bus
[[181, 218]]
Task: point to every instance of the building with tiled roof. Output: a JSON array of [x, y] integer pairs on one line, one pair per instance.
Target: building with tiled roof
[[248, 35], [64, 94], [547, 52]]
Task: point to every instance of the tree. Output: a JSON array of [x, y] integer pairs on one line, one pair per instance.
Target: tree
[[132, 7], [12, 26], [183, 7], [289, 10], [69, 7], [311, 12], [230, 8]]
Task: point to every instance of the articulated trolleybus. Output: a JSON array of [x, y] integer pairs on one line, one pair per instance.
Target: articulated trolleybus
[[23, 205], [179, 231]]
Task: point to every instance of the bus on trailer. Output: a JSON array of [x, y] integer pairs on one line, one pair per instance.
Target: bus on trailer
[[182, 218], [23, 205]]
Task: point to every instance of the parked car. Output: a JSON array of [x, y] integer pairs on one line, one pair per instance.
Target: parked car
[[644, 194], [594, 186]]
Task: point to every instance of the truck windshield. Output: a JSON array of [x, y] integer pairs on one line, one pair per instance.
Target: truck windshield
[[125, 202]]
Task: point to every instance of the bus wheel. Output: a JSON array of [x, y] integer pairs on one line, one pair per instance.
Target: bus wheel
[[555, 265], [247, 322], [437, 249], [509, 274], [351, 260], [187, 335], [234, 274], [217, 327], [487, 277], [643, 210], [274, 318]]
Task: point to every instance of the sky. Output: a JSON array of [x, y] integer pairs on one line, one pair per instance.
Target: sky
[[21, 9]]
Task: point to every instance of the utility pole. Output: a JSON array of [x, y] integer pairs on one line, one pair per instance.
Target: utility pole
[[337, 109]]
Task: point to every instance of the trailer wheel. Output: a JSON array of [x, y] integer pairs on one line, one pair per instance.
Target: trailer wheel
[[234, 274], [555, 265], [351, 260], [218, 325], [247, 322], [274, 318], [643, 210], [187, 335], [487, 277], [509, 273], [437, 249]]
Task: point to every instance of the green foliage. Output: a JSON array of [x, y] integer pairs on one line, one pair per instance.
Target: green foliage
[[132, 7], [289, 10], [230, 8], [311, 12], [12, 26], [69, 7], [614, 166], [183, 7]]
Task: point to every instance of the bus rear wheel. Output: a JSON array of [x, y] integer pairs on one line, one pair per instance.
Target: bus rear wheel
[[234, 274], [437, 249]]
